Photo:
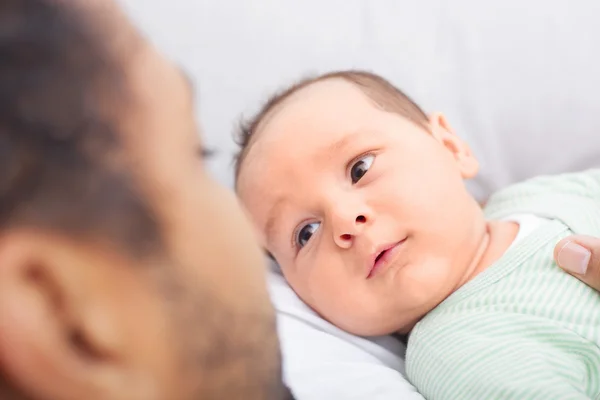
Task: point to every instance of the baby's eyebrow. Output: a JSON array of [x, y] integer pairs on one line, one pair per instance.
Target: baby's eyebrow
[[340, 144], [331, 149], [272, 218]]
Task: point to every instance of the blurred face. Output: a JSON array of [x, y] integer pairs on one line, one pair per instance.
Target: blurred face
[[81, 320], [216, 259], [366, 213]]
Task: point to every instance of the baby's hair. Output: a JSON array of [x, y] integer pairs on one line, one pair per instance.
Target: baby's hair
[[379, 90]]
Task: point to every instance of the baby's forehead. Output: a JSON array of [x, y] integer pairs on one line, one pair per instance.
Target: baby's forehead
[[308, 121], [312, 117], [300, 112], [314, 103], [311, 122]]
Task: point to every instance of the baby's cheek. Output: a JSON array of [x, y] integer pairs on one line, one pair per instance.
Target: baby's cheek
[[335, 296], [422, 286]]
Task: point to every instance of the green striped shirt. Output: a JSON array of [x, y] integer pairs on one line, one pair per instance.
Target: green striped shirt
[[523, 328]]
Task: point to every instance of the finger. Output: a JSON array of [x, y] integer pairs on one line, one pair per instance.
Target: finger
[[580, 256]]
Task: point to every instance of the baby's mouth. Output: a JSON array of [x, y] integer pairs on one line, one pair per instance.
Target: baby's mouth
[[386, 255]]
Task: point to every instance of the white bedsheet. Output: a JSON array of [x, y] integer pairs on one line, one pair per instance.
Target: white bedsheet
[[324, 362]]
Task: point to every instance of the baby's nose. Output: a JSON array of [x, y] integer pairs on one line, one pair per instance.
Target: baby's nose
[[347, 229]]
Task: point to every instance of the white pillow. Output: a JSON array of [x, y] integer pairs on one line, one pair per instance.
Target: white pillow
[[324, 362]]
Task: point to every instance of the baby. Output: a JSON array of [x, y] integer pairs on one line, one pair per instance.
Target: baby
[[360, 197]]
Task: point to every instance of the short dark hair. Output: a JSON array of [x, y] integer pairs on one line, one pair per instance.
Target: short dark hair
[[61, 85], [383, 93]]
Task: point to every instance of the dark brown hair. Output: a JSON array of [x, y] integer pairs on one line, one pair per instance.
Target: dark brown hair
[[60, 88], [379, 90]]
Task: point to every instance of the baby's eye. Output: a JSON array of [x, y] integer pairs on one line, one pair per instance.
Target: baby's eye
[[360, 167], [306, 233]]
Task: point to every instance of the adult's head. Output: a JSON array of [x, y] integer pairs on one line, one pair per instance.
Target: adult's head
[[117, 275]]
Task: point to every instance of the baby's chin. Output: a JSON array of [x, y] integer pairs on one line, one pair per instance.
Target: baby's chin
[[380, 328]]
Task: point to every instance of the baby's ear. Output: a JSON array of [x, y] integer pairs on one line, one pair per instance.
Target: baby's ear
[[460, 150]]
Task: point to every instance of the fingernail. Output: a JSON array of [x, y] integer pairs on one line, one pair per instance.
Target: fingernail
[[574, 258]]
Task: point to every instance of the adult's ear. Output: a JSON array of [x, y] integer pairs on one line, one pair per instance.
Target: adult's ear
[[460, 150], [61, 335]]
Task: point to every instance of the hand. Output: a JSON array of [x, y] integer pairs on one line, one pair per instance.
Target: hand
[[580, 256]]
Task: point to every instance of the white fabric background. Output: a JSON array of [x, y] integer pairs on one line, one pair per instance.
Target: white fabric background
[[517, 78]]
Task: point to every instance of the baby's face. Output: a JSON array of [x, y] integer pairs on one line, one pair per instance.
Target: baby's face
[[366, 212]]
